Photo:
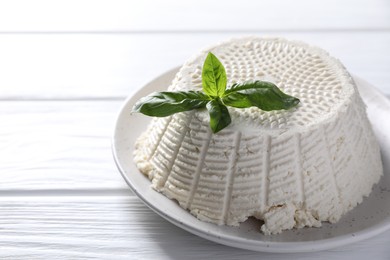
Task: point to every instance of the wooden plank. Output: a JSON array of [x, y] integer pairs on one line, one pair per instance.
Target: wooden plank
[[113, 66], [121, 227], [58, 146], [194, 15]]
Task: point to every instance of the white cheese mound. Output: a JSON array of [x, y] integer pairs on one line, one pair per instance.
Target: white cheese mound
[[291, 168]]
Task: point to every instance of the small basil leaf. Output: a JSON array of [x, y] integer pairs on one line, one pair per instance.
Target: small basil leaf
[[219, 115], [213, 76], [261, 94], [162, 104]]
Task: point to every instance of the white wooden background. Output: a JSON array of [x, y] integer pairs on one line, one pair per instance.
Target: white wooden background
[[65, 69]]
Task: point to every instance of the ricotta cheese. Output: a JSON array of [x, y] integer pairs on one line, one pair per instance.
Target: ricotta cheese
[[290, 168]]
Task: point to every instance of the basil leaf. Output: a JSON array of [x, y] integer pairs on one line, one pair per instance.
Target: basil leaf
[[213, 76], [219, 115], [261, 94], [162, 104]]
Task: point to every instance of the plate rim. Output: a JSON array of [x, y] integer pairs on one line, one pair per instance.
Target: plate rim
[[228, 240]]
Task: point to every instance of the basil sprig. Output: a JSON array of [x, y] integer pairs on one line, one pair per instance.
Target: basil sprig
[[216, 96]]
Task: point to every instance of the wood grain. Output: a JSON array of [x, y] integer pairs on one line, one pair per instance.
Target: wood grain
[[193, 15], [121, 227], [55, 145], [85, 66]]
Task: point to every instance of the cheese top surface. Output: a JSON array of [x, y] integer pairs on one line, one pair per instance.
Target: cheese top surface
[[308, 73]]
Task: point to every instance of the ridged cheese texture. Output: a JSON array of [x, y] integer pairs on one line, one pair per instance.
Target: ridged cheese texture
[[291, 168]]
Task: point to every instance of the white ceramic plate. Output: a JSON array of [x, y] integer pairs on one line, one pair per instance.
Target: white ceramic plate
[[366, 220]]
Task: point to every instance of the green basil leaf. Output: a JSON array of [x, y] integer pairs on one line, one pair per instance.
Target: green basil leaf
[[219, 115], [162, 104], [261, 94], [213, 76]]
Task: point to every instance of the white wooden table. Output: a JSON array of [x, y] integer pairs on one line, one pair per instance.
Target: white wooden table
[[65, 69]]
